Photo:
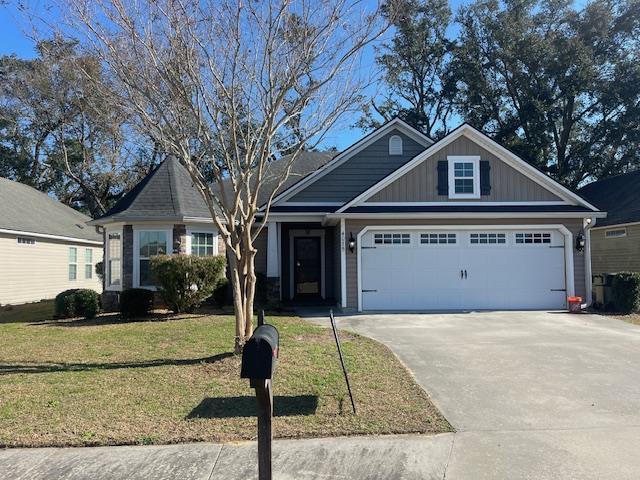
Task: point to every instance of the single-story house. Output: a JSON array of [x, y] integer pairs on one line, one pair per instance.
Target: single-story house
[[45, 247], [615, 240], [394, 222]]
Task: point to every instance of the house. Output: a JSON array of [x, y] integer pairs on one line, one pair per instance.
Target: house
[[45, 246], [394, 222], [615, 240]]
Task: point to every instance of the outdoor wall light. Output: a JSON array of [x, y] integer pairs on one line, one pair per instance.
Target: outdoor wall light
[[352, 242], [580, 242]]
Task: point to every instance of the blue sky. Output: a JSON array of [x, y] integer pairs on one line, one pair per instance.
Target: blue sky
[[15, 40]]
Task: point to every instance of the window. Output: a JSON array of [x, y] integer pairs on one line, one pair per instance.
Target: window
[[438, 238], [114, 253], [73, 263], [391, 238], [150, 243], [488, 238], [203, 244], [88, 263], [533, 238], [617, 233], [464, 176], [395, 145], [26, 241]]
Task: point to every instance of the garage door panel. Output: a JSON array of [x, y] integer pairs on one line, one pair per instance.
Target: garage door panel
[[427, 276]]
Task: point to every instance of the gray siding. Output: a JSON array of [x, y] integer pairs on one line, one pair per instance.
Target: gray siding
[[360, 172], [261, 255], [611, 255], [420, 184], [355, 226]]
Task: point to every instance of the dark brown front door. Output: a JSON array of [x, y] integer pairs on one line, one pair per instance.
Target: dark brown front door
[[307, 270]]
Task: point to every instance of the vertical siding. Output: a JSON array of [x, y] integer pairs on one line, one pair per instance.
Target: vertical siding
[[261, 255], [29, 273], [610, 255], [421, 183], [360, 172], [355, 226]]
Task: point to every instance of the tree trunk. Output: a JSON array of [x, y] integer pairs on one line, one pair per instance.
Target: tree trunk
[[236, 284]]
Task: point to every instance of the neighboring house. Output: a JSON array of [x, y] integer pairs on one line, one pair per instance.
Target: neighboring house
[[394, 222], [45, 246], [615, 240]]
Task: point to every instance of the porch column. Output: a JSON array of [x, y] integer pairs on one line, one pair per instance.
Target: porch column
[[273, 263]]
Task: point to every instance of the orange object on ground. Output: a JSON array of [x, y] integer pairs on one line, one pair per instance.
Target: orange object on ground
[[575, 304]]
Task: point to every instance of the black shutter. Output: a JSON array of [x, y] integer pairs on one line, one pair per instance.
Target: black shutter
[[443, 177], [485, 178]]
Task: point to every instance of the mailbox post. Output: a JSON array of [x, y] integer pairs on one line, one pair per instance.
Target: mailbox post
[[259, 358]]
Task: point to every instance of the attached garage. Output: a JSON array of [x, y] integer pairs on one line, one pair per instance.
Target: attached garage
[[458, 268]]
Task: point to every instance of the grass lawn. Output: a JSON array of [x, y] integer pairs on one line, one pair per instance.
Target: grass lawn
[[104, 382]]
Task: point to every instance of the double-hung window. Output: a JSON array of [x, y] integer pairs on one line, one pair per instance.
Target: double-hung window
[[114, 259], [464, 176], [150, 243], [73, 263], [88, 263], [203, 244]]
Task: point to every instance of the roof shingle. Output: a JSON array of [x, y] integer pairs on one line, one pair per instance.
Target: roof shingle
[[619, 196]]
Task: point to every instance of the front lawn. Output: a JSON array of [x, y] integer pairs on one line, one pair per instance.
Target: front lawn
[[174, 380]]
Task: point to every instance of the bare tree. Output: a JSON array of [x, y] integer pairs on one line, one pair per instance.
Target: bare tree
[[225, 83]]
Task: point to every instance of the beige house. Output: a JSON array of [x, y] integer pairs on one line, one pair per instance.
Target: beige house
[[615, 240], [395, 222], [45, 246]]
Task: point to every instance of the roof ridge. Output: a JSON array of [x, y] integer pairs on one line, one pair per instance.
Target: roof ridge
[[612, 177]]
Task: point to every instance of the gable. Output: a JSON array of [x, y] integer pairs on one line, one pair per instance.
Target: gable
[[420, 184], [360, 172]]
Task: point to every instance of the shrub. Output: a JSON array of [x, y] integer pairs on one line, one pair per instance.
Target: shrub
[[222, 293], [100, 270], [185, 281], [625, 291], [135, 302], [77, 302]]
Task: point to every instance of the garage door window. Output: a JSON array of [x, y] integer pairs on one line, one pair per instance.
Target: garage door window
[[533, 238], [488, 238], [392, 238], [438, 238]]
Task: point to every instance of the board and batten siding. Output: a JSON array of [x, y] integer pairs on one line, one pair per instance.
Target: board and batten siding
[[361, 171], [29, 273], [355, 226], [420, 184], [617, 254]]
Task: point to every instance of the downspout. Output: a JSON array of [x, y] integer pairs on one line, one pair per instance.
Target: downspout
[[588, 224]]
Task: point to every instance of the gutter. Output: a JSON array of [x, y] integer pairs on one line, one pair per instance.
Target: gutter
[[48, 236]]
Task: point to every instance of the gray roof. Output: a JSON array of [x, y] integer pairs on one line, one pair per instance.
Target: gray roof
[[168, 193], [619, 196], [26, 209]]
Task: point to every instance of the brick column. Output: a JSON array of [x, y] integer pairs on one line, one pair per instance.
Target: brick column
[[180, 239]]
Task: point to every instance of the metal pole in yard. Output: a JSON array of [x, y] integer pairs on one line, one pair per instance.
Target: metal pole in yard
[[344, 369]]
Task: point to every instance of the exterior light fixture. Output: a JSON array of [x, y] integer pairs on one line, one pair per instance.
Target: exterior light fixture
[[352, 242], [580, 242]]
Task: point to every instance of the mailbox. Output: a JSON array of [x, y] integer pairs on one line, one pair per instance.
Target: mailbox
[[260, 353]]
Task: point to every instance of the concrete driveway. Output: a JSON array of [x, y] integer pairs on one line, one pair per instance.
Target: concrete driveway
[[533, 395]]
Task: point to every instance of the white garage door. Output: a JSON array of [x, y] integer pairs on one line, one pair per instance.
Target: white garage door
[[462, 269]]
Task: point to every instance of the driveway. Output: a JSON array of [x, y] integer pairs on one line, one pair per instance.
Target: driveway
[[531, 394]]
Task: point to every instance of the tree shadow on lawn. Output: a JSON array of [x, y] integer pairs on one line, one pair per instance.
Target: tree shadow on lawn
[[48, 367], [114, 319], [245, 406]]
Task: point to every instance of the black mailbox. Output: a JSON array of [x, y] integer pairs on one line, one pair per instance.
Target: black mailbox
[[260, 353]]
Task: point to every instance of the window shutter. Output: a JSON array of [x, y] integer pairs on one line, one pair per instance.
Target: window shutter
[[485, 178], [443, 177]]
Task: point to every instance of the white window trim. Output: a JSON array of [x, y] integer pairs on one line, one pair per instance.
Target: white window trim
[[395, 141], [168, 229], [69, 263], [452, 160], [84, 273], [105, 264], [613, 237], [213, 230]]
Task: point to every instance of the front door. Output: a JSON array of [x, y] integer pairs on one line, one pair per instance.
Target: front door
[[307, 267]]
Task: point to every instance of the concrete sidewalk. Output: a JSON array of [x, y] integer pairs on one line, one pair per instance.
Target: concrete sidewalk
[[389, 457]]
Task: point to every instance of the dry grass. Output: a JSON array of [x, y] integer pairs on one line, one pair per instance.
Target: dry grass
[[633, 318], [104, 382]]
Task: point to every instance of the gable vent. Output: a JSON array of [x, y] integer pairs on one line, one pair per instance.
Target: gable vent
[[395, 145]]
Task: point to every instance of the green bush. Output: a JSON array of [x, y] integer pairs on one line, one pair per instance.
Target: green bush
[[99, 268], [135, 302], [625, 291], [185, 281], [222, 293], [77, 302]]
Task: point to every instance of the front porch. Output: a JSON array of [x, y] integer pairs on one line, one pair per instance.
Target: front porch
[[301, 261]]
